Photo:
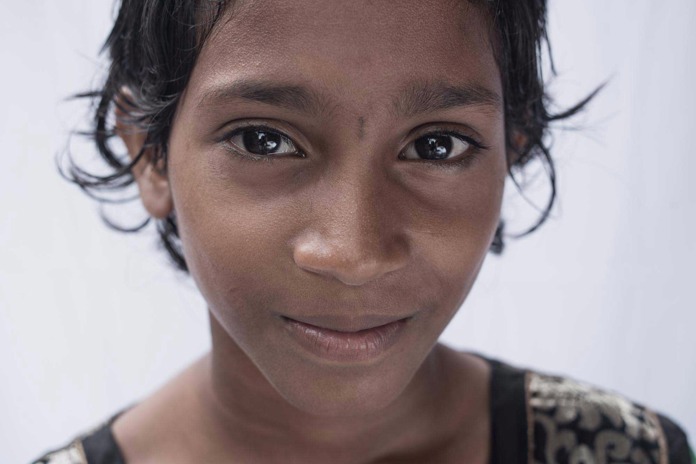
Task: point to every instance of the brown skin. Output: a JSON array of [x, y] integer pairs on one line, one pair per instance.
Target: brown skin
[[349, 229]]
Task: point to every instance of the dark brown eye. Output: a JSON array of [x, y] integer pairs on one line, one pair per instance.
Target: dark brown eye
[[436, 146], [262, 141]]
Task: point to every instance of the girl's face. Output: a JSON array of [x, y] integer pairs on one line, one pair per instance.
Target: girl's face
[[341, 163]]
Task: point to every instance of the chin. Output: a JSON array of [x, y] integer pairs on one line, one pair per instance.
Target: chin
[[341, 391]]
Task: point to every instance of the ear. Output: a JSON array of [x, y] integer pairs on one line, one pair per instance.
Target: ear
[[518, 143], [153, 183]]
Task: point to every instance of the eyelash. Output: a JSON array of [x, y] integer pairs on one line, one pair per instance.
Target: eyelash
[[465, 161], [250, 156], [461, 162]]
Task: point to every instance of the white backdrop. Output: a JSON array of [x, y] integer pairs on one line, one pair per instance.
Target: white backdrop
[[92, 320]]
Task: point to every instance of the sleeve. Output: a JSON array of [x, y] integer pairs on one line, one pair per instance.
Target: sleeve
[[678, 449]]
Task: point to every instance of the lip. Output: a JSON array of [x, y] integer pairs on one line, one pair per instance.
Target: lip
[[346, 346], [344, 323]]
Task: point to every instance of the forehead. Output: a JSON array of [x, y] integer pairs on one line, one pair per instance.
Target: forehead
[[356, 53]]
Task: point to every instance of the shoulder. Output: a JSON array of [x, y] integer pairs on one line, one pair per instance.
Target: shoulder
[[541, 418], [572, 421]]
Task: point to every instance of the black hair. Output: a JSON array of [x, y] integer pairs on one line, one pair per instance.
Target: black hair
[[153, 48]]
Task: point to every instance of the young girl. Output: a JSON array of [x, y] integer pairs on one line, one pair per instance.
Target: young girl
[[331, 175]]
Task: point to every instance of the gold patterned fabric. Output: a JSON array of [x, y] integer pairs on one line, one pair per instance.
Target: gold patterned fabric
[[72, 454], [574, 423]]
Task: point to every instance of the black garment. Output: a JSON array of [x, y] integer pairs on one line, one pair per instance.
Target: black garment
[[535, 419]]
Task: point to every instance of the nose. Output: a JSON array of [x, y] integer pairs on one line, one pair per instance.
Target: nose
[[353, 234]]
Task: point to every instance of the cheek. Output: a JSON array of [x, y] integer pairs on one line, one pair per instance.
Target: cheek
[[455, 234], [455, 217], [235, 244]]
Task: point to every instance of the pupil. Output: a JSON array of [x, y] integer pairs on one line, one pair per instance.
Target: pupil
[[261, 142], [434, 146]]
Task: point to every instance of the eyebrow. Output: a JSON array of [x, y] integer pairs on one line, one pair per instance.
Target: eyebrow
[[427, 97], [289, 96], [416, 98]]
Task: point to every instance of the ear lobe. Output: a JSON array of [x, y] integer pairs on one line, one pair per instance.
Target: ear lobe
[[154, 189], [153, 183], [518, 144]]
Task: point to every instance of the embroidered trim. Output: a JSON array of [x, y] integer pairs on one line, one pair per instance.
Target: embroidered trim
[[71, 454], [575, 423], [530, 418], [662, 439]]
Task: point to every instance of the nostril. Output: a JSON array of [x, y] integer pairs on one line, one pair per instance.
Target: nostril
[[352, 265], [353, 274], [358, 273]]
